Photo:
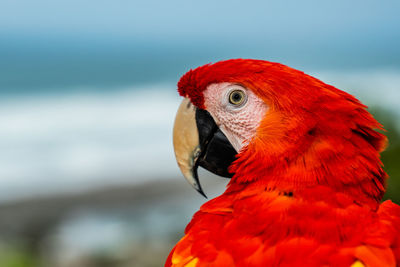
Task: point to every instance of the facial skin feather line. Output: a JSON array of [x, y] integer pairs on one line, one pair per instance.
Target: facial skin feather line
[[304, 162], [238, 124]]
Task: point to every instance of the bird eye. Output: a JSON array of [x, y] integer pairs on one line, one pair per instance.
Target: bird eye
[[237, 97]]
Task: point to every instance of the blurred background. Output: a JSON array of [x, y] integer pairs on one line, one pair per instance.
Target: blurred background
[[88, 98]]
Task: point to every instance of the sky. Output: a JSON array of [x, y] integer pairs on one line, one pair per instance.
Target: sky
[[179, 19]]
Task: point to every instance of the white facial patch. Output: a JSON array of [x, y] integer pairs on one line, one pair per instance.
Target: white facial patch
[[238, 122]]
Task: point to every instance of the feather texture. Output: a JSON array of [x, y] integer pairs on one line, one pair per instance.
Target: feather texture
[[306, 190]]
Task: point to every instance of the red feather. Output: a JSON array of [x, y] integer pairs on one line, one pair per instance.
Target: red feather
[[306, 190]]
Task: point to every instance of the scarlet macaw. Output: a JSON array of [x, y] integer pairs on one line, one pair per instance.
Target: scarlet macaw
[[306, 176]]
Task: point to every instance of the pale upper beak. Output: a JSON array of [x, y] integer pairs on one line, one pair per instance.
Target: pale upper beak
[[199, 142]]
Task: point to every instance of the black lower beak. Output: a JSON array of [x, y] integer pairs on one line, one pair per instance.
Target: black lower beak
[[217, 153]]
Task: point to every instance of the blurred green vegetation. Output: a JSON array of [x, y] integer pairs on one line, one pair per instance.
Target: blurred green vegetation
[[17, 255], [391, 156]]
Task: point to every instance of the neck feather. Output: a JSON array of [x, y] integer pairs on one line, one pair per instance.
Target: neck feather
[[333, 155]]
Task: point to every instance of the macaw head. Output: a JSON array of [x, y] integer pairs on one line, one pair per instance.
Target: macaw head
[[259, 121]]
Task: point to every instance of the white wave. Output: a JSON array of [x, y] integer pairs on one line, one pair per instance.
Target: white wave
[[75, 141], [71, 142]]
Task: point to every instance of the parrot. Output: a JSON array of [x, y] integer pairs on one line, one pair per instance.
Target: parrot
[[303, 157]]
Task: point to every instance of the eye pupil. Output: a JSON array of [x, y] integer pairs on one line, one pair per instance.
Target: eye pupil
[[237, 97]]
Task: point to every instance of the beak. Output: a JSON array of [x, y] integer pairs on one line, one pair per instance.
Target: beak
[[199, 142]]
